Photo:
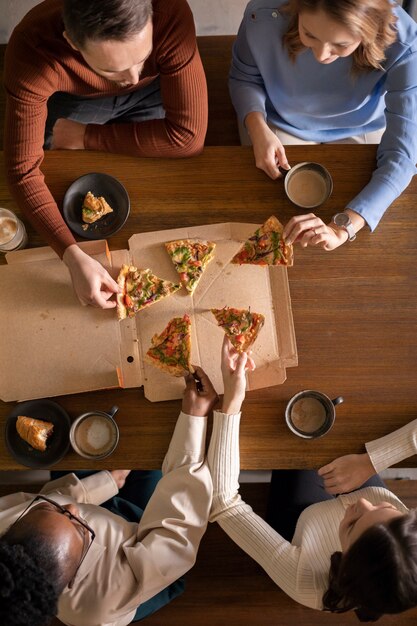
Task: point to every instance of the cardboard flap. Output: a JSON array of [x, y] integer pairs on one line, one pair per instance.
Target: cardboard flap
[[131, 366], [52, 345], [96, 248]]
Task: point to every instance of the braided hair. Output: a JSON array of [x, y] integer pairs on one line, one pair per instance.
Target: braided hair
[[378, 574], [30, 580]]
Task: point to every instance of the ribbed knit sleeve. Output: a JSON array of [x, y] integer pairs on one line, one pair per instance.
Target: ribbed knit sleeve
[[39, 62], [184, 95], [282, 561], [393, 448], [26, 112]]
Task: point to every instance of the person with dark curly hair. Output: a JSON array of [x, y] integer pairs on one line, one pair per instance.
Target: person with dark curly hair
[[109, 548], [356, 551], [118, 76]]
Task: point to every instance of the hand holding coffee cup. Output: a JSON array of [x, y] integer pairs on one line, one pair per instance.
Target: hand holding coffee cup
[[95, 435], [311, 414]]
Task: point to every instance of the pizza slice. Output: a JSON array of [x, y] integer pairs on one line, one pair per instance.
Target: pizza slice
[[35, 432], [139, 289], [171, 350], [266, 246], [190, 257], [240, 325], [94, 208]]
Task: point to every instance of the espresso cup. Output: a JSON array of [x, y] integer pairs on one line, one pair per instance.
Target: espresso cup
[[307, 184], [13, 234], [95, 435], [311, 414]]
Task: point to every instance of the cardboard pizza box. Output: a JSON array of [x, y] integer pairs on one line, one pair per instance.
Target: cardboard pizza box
[[54, 346]]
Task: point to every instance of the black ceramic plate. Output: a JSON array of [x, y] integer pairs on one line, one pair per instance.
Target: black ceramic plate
[[99, 185], [58, 442]]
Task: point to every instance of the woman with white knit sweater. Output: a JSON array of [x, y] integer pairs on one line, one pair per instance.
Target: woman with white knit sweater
[[356, 551]]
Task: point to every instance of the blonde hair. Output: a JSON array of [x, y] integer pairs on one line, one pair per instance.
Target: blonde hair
[[373, 21]]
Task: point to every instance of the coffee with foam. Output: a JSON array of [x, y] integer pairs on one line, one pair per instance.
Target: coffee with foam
[[95, 435]]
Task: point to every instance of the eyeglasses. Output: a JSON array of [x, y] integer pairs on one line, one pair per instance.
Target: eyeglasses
[[71, 516]]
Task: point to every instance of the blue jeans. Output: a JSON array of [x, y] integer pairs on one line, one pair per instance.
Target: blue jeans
[[130, 504], [137, 106]]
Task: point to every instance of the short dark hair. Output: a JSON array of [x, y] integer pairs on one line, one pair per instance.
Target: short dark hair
[[101, 20], [378, 574], [30, 579]]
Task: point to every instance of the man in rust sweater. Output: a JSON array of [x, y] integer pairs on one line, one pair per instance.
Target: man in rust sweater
[[121, 76]]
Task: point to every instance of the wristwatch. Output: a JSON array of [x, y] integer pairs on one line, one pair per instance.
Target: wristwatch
[[342, 220]]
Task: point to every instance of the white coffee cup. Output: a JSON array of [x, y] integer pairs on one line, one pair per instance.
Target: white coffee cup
[[13, 234], [95, 435]]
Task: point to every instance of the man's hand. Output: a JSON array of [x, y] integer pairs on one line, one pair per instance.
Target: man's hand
[[200, 398], [68, 135], [234, 366], [268, 150], [310, 230], [120, 476], [347, 473], [92, 283]]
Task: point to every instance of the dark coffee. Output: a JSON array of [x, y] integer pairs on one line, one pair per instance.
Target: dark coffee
[[95, 435]]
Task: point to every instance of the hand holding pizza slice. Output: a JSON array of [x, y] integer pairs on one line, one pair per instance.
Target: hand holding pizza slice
[[266, 246], [139, 289], [190, 257], [171, 350], [240, 325]]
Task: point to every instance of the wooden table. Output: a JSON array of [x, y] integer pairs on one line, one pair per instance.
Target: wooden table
[[355, 308]]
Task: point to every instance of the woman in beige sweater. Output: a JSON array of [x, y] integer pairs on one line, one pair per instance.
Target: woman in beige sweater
[[354, 551]]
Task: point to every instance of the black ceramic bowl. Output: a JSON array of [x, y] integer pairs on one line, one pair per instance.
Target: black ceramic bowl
[[58, 442], [100, 185]]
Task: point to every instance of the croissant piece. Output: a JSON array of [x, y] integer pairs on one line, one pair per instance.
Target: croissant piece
[[35, 432]]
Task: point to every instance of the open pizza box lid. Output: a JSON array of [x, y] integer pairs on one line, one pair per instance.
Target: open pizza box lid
[[53, 346]]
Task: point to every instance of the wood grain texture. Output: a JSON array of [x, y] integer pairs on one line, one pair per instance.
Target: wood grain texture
[[354, 308]]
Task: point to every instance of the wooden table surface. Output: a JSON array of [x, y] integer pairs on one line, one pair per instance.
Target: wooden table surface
[[355, 308]]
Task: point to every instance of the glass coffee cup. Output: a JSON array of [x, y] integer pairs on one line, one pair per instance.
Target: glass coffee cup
[[95, 435], [311, 414], [13, 234]]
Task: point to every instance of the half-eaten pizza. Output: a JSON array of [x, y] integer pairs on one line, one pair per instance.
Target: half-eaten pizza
[[94, 208]]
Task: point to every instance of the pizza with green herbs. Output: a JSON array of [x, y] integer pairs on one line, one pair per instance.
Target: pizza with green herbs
[[190, 257], [139, 289], [266, 246], [240, 325], [171, 350]]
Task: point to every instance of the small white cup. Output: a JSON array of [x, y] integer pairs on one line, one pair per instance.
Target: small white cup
[[13, 234]]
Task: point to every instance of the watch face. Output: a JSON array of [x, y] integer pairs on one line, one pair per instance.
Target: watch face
[[341, 219]]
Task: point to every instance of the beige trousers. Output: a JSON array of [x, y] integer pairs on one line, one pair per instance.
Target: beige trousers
[[287, 140]]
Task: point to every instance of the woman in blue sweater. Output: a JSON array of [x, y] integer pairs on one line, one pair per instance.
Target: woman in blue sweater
[[319, 71]]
